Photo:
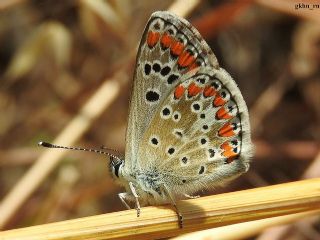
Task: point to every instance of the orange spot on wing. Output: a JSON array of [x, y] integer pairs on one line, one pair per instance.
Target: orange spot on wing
[[166, 40], [218, 101], [185, 59], [228, 152], [152, 38], [226, 146], [223, 114], [193, 66], [179, 92], [231, 156], [177, 48], [209, 91], [193, 90], [226, 130]]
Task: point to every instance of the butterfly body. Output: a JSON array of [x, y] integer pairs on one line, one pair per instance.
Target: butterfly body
[[188, 127]]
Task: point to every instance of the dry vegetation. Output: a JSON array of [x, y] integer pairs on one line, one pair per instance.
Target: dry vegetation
[[66, 71]]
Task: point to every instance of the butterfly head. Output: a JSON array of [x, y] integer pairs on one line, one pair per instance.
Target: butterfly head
[[115, 167]]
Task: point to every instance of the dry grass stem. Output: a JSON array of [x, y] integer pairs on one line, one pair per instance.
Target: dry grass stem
[[201, 213], [246, 229]]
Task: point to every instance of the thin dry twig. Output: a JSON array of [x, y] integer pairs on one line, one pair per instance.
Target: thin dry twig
[[201, 213], [246, 229]]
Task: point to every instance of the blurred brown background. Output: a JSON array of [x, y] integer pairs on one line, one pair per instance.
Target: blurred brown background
[[55, 55]]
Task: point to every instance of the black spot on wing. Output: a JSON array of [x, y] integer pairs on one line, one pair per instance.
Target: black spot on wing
[[172, 78], [154, 141], [147, 68], [171, 150], [165, 71], [156, 67], [166, 111], [201, 171], [152, 96], [184, 160]]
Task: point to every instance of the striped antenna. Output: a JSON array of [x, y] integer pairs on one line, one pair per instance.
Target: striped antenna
[[50, 145]]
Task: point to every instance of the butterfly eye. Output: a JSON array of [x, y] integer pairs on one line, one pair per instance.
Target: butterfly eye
[[116, 167]]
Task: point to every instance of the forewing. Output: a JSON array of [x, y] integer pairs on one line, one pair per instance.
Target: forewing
[[170, 48]]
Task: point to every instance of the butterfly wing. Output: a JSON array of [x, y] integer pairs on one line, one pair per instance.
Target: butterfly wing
[[166, 53], [198, 135]]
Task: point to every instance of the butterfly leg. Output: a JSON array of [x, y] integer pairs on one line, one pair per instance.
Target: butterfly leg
[[133, 190], [174, 203], [123, 197]]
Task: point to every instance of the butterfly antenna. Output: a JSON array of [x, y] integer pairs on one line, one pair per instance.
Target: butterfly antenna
[[111, 150], [50, 145]]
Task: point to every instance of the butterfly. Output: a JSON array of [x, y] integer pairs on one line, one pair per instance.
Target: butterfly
[[188, 128]]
